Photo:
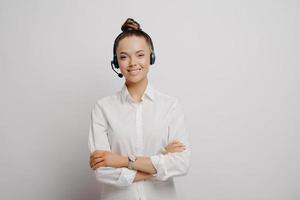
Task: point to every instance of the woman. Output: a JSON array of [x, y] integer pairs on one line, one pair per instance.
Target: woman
[[137, 138]]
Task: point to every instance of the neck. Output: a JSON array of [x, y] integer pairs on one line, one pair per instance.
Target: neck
[[136, 90]]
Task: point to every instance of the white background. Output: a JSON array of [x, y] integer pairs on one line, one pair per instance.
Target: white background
[[234, 65]]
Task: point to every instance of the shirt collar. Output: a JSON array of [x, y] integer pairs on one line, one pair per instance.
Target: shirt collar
[[149, 92]]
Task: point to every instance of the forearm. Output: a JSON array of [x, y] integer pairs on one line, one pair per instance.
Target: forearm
[[141, 176], [142, 164]]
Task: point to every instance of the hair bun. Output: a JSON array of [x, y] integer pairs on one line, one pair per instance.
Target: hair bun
[[130, 24]]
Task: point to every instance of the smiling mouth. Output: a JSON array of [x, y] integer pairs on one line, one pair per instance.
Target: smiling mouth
[[133, 70]]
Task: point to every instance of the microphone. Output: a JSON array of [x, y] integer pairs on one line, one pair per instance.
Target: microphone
[[112, 66], [120, 75]]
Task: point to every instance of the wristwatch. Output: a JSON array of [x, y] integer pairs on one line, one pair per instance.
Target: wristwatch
[[131, 159]]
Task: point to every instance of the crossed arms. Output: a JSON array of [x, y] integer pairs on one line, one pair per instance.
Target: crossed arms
[[143, 164]]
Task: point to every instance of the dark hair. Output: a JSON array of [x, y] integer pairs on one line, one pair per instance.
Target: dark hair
[[132, 28]]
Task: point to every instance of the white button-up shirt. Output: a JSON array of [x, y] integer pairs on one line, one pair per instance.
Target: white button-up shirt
[[122, 126]]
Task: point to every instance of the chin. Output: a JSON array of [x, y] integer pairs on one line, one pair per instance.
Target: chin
[[136, 79]]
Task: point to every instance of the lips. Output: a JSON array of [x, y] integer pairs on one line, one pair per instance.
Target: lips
[[134, 72], [130, 70]]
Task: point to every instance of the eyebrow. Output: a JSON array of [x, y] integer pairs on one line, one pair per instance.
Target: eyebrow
[[135, 52]]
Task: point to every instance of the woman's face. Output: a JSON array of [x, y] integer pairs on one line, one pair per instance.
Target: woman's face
[[133, 55]]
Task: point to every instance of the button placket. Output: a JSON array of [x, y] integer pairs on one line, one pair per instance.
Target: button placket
[[139, 130], [139, 142]]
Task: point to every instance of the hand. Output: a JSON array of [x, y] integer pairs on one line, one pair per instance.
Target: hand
[[174, 146], [101, 158]]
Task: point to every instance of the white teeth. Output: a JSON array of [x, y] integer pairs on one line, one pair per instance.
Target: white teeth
[[134, 71]]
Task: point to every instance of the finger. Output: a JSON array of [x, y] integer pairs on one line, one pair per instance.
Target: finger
[[97, 156], [177, 145], [177, 149], [172, 144], [93, 153], [100, 164], [97, 152], [96, 161]]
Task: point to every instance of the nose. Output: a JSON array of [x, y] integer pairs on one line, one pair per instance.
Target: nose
[[133, 61]]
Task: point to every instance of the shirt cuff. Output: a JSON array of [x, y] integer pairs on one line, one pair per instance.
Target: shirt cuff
[[126, 177], [157, 162]]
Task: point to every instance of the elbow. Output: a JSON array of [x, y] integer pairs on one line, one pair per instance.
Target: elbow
[[184, 168], [179, 168], [184, 164], [179, 171], [116, 177], [104, 180]]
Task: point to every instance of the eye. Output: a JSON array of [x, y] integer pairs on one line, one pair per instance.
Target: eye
[[122, 57], [141, 55]]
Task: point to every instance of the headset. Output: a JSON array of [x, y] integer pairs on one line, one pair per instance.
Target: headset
[[114, 62]]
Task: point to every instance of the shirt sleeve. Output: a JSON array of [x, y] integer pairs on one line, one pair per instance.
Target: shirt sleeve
[[174, 164], [98, 141]]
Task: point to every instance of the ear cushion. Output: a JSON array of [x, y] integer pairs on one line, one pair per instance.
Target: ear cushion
[[115, 60], [152, 58]]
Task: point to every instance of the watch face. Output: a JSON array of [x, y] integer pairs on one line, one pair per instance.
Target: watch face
[[132, 158]]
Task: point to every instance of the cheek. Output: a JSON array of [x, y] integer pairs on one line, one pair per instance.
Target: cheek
[[145, 61], [123, 65], [122, 69]]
